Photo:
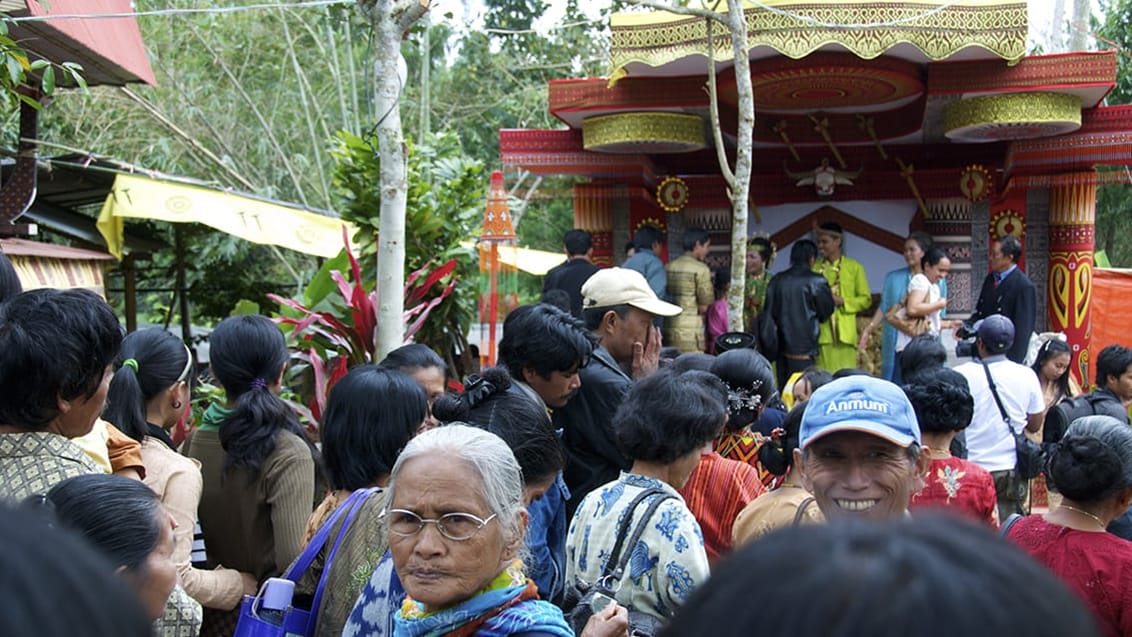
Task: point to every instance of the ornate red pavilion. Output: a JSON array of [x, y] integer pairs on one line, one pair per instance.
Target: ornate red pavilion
[[924, 115]]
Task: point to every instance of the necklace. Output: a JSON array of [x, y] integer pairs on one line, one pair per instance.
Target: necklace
[[1083, 512]]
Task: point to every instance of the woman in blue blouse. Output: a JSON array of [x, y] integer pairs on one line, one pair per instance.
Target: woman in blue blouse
[[664, 423], [895, 287]]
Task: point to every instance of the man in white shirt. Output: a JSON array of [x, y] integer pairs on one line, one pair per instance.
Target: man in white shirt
[[990, 444]]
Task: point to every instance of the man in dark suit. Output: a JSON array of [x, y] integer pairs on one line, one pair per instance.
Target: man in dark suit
[[1009, 292], [569, 275]]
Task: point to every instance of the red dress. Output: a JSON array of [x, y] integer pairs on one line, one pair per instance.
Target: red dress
[[960, 486], [1096, 566], [716, 492]]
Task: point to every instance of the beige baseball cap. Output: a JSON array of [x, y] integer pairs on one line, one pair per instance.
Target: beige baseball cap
[[621, 286]]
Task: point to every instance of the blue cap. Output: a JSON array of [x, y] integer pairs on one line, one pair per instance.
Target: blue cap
[[860, 403], [996, 332]]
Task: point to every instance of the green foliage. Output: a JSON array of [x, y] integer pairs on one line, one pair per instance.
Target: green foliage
[[223, 274], [442, 216], [251, 100], [486, 80], [22, 76], [331, 333], [1114, 33], [1114, 202]]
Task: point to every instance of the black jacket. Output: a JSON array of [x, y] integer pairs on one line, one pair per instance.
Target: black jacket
[[592, 455], [798, 300], [569, 276], [1016, 299]]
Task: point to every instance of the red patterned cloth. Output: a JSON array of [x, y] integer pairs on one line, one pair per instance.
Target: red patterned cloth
[[744, 447], [716, 492], [1095, 565], [960, 486]]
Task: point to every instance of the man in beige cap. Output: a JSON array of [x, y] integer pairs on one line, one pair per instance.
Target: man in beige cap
[[619, 307]]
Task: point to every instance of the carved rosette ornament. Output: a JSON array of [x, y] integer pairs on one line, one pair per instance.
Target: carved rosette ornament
[[990, 118], [650, 221], [648, 133], [976, 183], [672, 194], [1006, 222]]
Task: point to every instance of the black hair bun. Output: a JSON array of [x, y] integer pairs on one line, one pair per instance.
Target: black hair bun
[[1084, 469]]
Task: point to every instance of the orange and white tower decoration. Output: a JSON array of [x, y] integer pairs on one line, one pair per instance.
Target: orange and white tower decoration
[[499, 285]]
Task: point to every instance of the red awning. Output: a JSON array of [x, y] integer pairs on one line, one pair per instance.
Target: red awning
[[110, 49]]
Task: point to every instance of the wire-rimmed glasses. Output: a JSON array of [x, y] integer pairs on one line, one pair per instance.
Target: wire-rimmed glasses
[[454, 526]]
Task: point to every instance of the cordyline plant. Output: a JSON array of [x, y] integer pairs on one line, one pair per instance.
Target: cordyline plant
[[331, 334]]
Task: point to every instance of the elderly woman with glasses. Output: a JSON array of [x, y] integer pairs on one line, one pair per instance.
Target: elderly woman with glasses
[[456, 523]]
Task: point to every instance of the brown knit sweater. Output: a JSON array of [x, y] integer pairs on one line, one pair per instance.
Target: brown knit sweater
[[254, 522]]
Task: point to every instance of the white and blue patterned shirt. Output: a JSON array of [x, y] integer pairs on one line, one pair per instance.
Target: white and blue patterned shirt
[[665, 566]]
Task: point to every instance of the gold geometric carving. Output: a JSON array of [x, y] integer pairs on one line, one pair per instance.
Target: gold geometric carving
[[1012, 116], [651, 132], [796, 29]]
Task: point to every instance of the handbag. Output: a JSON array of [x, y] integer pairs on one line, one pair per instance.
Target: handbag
[[582, 602], [897, 316], [1031, 459], [300, 622]]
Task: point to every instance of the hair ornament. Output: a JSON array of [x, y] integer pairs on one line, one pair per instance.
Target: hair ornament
[[476, 390], [740, 399], [258, 383], [131, 363]]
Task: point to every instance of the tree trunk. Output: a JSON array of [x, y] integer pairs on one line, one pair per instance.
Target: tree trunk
[[1079, 30], [741, 187], [739, 180], [390, 20]]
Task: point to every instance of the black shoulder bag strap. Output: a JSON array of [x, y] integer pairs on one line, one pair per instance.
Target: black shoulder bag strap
[[997, 400], [1011, 520], [615, 566]]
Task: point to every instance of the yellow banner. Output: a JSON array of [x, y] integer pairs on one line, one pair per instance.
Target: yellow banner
[[256, 220]]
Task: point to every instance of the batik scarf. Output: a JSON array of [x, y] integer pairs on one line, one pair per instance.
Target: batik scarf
[[507, 605]]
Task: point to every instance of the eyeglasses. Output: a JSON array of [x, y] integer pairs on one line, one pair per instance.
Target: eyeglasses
[[454, 526]]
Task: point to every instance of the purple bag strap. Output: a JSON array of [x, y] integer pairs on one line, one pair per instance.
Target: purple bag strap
[[319, 540], [359, 497], [347, 509]]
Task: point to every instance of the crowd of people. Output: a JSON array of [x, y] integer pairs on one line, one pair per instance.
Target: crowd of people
[[594, 483]]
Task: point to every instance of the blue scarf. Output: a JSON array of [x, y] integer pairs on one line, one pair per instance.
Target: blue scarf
[[522, 615]]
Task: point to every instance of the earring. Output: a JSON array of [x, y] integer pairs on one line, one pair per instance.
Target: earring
[[176, 404]]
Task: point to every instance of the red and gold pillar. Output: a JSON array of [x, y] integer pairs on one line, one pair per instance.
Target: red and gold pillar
[[1072, 214], [593, 211]]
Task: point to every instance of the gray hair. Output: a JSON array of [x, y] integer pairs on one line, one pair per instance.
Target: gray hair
[[488, 456]]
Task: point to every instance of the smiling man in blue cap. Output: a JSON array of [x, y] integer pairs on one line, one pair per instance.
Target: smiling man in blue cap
[[860, 453]]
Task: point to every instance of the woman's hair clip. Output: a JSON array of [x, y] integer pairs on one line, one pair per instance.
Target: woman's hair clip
[[476, 390]]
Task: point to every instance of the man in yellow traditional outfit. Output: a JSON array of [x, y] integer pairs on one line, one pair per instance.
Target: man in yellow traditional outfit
[[837, 339], [690, 287]]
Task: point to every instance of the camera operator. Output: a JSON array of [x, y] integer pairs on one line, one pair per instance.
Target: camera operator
[[990, 443], [1009, 292]]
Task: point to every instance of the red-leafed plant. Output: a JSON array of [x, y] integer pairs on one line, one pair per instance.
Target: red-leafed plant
[[330, 333]]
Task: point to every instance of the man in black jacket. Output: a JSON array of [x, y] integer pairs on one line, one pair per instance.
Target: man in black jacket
[[1114, 383], [618, 308], [569, 275], [797, 301], [1009, 292]]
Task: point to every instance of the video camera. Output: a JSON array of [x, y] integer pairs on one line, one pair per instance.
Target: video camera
[[965, 335]]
